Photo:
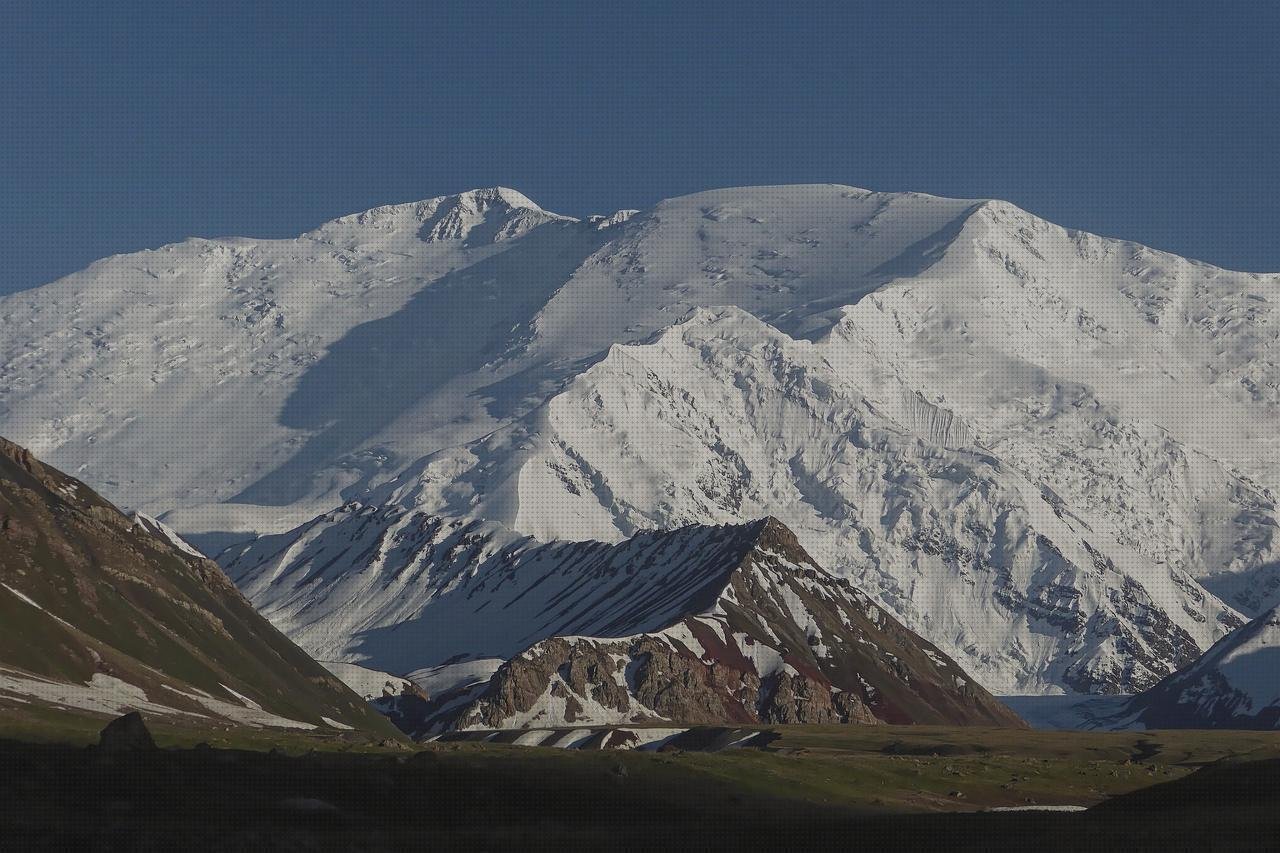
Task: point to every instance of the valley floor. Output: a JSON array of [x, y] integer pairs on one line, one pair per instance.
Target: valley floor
[[898, 788]]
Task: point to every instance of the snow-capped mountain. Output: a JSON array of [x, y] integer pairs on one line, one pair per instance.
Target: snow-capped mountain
[[1052, 454], [733, 623], [1236, 685]]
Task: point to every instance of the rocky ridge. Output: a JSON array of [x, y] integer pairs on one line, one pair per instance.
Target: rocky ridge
[[771, 638]]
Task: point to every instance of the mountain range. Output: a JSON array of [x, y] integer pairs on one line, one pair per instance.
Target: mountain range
[[1050, 454]]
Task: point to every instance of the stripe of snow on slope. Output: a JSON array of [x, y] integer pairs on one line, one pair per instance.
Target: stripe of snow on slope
[[532, 737], [106, 694], [766, 660], [337, 725], [571, 739], [245, 700], [24, 598]]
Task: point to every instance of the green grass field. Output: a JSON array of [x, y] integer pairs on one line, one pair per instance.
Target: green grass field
[[864, 769], [900, 787], [898, 768]]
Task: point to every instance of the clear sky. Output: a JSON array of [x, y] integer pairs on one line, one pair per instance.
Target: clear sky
[[125, 126]]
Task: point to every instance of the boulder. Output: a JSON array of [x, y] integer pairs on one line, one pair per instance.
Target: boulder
[[127, 733]]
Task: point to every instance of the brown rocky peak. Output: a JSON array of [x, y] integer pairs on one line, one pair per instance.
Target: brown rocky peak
[[771, 638], [772, 535], [22, 457]]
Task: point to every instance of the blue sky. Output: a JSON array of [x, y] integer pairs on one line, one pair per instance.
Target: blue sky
[[127, 126]]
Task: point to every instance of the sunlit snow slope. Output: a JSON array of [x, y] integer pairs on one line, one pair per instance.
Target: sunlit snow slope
[[1050, 453]]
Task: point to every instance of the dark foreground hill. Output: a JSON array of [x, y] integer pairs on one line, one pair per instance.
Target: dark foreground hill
[[103, 613]]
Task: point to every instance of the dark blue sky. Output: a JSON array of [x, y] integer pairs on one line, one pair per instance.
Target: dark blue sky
[[125, 126]]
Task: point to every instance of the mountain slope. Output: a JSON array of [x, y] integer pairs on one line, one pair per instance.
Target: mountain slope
[[1050, 453], [226, 332], [1236, 685], [722, 417], [697, 625], [103, 615]]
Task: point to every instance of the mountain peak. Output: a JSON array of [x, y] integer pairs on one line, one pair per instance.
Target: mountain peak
[[771, 532], [495, 213], [498, 195]]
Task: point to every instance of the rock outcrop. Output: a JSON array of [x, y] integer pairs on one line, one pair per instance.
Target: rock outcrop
[[126, 733]]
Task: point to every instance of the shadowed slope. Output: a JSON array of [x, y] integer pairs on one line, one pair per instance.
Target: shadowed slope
[[101, 615], [1235, 685]]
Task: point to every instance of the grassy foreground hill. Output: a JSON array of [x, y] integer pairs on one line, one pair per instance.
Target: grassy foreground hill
[[103, 613]]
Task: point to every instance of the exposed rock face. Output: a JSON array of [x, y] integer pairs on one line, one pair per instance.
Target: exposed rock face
[[796, 699], [782, 641], [651, 679], [104, 614]]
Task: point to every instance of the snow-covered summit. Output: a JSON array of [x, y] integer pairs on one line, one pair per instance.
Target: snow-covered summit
[[475, 201], [493, 214]]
